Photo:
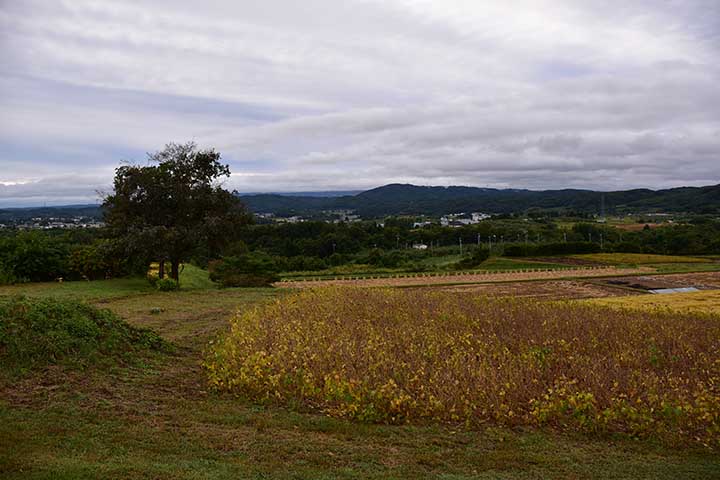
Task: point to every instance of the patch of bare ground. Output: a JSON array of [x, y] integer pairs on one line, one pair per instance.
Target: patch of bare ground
[[422, 280], [551, 290], [701, 280]]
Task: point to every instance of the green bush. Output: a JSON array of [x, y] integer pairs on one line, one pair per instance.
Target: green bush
[[34, 256], [6, 276], [99, 260], [36, 332], [167, 284], [249, 270], [475, 258]]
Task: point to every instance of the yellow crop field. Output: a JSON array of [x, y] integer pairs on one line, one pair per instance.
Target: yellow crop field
[[704, 301], [389, 355], [638, 258]]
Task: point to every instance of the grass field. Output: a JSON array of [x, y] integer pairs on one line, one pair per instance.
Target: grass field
[[704, 301], [442, 264], [156, 418], [637, 258]]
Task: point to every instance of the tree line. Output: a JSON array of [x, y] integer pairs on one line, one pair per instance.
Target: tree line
[[175, 209]]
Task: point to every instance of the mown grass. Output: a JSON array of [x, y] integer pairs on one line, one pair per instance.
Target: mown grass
[[159, 420], [637, 258], [400, 355], [704, 301], [191, 278]]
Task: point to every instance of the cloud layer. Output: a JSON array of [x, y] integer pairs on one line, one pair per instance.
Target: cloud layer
[[326, 94]]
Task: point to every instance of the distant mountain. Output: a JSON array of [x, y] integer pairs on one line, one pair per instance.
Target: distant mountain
[[398, 199], [329, 193]]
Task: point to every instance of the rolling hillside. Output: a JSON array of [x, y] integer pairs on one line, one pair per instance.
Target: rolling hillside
[[397, 199]]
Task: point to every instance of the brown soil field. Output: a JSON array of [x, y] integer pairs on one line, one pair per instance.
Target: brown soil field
[[461, 279], [551, 290], [701, 280]]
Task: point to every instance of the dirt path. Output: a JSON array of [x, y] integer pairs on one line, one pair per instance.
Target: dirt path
[[462, 279]]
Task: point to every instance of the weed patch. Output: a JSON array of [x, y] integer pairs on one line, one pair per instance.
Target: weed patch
[[37, 332]]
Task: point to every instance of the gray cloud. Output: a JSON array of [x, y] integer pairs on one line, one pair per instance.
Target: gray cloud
[[353, 94]]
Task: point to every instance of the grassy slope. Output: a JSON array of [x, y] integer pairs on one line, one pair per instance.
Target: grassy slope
[[158, 420]]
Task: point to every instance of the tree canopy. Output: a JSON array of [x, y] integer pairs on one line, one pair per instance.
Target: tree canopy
[[174, 206]]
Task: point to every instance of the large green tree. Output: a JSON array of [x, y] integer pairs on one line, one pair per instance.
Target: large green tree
[[175, 205]]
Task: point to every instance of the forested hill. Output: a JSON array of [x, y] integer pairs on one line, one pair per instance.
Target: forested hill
[[398, 199]]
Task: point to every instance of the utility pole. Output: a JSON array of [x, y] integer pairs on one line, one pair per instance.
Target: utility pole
[[460, 245], [397, 241], [565, 237], [601, 241], [478, 239]]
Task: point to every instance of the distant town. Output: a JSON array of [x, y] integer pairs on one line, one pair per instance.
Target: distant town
[[50, 223]]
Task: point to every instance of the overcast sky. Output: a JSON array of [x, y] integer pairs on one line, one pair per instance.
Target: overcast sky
[[352, 94]]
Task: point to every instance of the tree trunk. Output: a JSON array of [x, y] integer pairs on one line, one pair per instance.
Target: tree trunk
[[175, 270], [161, 269]]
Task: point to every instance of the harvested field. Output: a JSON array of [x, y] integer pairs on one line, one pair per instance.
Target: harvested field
[[701, 280], [705, 301], [637, 258], [551, 290], [461, 279]]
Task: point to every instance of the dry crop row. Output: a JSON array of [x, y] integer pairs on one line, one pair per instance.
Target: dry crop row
[[398, 355]]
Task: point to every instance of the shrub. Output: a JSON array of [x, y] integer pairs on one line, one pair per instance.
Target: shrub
[[96, 261], [476, 257], [34, 256], [6, 275], [398, 355], [302, 263], [250, 270], [167, 284], [36, 332]]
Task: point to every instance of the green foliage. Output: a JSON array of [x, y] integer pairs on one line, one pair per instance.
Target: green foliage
[[167, 284], [6, 275], [99, 260], [36, 332], [477, 256], [176, 208], [532, 250], [33, 256], [249, 270]]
